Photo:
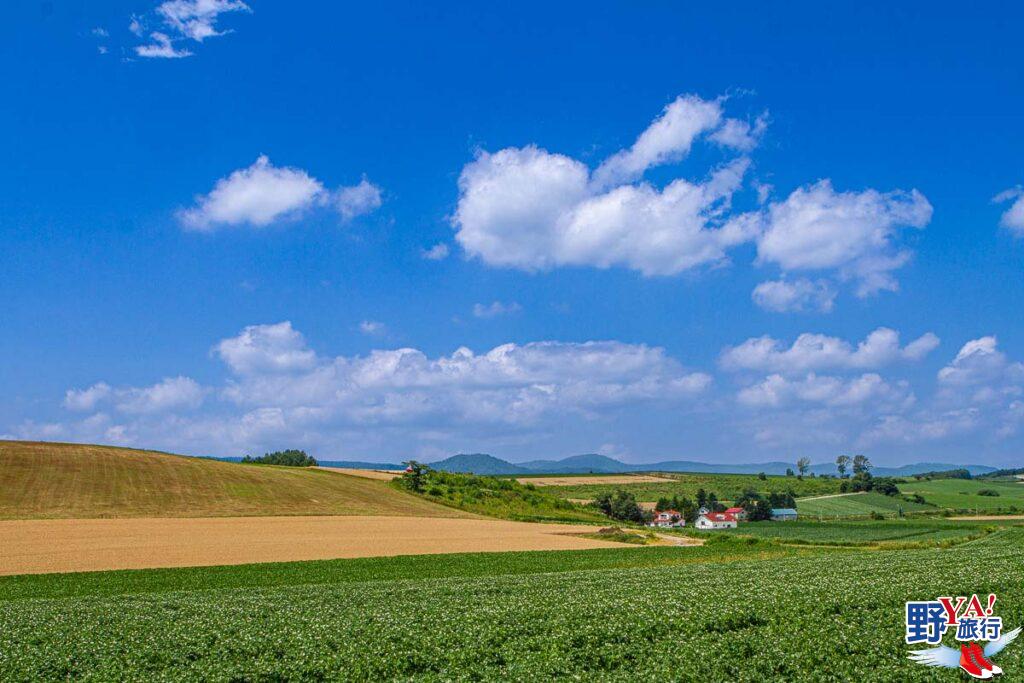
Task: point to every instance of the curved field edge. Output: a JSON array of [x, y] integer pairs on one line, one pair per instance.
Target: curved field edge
[[52, 481], [820, 617], [377, 569]]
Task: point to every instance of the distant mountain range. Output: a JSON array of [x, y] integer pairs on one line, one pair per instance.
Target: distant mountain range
[[482, 463]]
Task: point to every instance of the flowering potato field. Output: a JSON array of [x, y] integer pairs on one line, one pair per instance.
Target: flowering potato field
[[830, 617], [867, 532]]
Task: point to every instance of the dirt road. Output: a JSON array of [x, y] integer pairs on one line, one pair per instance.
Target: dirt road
[[69, 545]]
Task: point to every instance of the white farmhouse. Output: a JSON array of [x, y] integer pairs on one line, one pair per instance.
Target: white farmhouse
[[668, 518], [716, 520]]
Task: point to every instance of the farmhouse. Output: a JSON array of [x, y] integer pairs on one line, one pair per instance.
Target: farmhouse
[[783, 515], [716, 520], [739, 513], [667, 518]]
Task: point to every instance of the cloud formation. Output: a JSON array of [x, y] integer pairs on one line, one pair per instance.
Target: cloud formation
[[532, 209], [810, 352], [183, 20], [853, 233], [794, 296], [528, 208], [263, 193], [1013, 218]]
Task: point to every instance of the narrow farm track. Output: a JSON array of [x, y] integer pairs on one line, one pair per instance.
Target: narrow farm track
[[71, 545]]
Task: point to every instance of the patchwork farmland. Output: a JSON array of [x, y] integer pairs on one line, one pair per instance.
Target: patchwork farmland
[[388, 586]]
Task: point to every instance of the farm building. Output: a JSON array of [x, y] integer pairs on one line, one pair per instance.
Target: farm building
[[783, 515], [716, 520], [668, 518], [739, 513]]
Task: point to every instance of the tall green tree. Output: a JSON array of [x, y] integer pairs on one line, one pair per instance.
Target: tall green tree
[[861, 464], [842, 465], [803, 465]]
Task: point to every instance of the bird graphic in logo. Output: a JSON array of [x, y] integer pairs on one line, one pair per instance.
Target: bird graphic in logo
[[970, 657]]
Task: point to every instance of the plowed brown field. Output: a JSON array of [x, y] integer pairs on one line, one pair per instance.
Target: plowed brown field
[[69, 545]]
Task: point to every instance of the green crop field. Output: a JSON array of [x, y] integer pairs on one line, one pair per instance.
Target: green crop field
[[864, 532], [858, 505], [962, 494], [49, 480], [836, 616], [725, 486]]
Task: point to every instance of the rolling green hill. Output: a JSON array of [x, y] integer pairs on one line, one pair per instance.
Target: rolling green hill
[[964, 494], [50, 480], [856, 505]]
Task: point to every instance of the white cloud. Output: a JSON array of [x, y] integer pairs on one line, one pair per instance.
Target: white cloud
[[817, 228], [817, 351], [194, 20], [438, 252], [795, 296], [495, 309], [100, 32], [532, 209], [264, 193], [372, 327], [1013, 218], [266, 348], [197, 19], [979, 362], [173, 393], [668, 138], [777, 390], [86, 399], [357, 200], [740, 135], [161, 46]]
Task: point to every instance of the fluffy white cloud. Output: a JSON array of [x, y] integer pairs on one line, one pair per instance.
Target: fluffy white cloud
[[817, 351], [173, 393], [794, 296], [162, 47], [495, 309], [532, 209], [777, 390], [668, 138], [510, 384], [194, 20], [266, 348], [980, 362], [86, 399], [170, 394], [817, 228], [357, 200], [1013, 218], [264, 193]]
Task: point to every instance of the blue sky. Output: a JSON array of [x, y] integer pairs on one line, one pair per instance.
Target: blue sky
[[234, 227]]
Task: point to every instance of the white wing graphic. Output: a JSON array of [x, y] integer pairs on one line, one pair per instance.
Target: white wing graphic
[[994, 647], [942, 656]]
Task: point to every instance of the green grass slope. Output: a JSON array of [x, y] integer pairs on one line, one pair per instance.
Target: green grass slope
[[857, 505], [962, 494], [50, 480]]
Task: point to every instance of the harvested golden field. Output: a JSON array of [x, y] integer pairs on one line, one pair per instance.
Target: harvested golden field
[[50, 480], [596, 479], [380, 475], [69, 545]]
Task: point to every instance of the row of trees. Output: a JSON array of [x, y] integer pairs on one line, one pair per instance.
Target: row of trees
[[290, 457]]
